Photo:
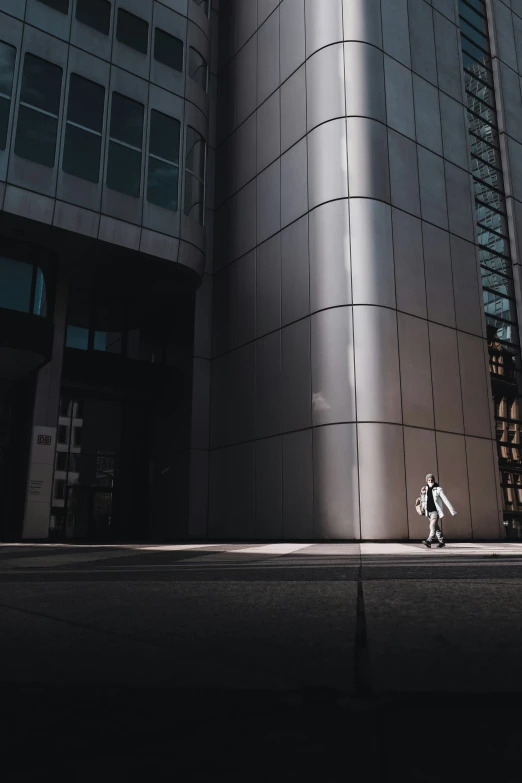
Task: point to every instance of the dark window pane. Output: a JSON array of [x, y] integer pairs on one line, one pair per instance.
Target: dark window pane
[[62, 433], [77, 337], [132, 31], [36, 136], [126, 120], [197, 68], [195, 155], [95, 14], [194, 197], [81, 154], [7, 63], [107, 341], [40, 295], [164, 136], [41, 84], [5, 107], [59, 489], [162, 186], [58, 5], [86, 100], [168, 50], [124, 170], [61, 460], [15, 285]]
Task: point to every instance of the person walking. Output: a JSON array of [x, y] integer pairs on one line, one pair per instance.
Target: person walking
[[432, 496]]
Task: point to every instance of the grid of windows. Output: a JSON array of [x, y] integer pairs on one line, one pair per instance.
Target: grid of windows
[[132, 31], [95, 14], [102, 322], [38, 111], [37, 128], [83, 133], [7, 65], [494, 248]]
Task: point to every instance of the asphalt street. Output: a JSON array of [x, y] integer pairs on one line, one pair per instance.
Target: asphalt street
[[248, 661]]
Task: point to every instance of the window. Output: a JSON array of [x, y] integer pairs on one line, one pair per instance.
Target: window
[[194, 175], [15, 285], [22, 287], [77, 436], [132, 31], [40, 295], [94, 322], [108, 324], [58, 5], [83, 132], [77, 337], [62, 434], [95, 14], [59, 489], [61, 460], [197, 68], [7, 64], [38, 111], [168, 50], [125, 143], [162, 185]]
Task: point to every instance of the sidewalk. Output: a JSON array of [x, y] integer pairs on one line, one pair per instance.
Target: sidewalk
[[34, 556]]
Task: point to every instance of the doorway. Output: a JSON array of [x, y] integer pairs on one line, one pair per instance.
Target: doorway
[[16, 405], [101, 474]]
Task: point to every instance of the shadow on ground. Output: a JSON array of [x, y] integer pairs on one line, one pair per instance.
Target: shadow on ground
[[84, 734]]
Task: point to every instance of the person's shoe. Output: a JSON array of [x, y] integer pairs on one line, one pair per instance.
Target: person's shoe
[[440, 544], [426, 543]]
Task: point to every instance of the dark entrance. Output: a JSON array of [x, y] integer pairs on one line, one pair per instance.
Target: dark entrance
[[122, 459], [103, 471], [16, 405]]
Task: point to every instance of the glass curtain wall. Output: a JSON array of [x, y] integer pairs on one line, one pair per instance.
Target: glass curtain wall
[[495, 256]]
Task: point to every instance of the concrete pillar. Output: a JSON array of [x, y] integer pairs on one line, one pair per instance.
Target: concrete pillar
[[43, 437]]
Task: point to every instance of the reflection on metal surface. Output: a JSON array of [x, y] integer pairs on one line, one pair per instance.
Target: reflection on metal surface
[[495, 256]]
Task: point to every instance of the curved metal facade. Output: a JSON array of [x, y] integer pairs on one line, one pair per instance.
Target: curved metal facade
[[349, 341]]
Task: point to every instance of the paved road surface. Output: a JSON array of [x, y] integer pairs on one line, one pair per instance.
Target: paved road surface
[[287, 661]]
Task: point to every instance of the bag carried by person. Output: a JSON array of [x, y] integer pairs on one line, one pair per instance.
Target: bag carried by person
[[418, 507]]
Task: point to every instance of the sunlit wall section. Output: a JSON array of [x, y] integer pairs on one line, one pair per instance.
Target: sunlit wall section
[[349, 349]]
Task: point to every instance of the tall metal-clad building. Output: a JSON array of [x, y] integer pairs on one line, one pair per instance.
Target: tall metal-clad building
[[259, 268]]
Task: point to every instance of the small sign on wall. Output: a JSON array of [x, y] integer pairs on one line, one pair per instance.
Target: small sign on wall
[[44, 439], [40, 484]]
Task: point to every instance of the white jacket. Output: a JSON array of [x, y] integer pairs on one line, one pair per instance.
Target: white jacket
[[438, 497]]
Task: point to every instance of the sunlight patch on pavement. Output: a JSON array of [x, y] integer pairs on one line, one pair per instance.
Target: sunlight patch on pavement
[[273, 549]]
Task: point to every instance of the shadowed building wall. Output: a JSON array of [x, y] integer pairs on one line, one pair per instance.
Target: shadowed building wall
[[104, 123]]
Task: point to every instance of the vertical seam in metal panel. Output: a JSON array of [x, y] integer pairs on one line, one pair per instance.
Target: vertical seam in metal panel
[[309, 275], [351, 308], [394, 275]]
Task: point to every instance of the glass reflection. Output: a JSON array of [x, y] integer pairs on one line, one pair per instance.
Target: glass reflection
[[495, 256], [86, 467]]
